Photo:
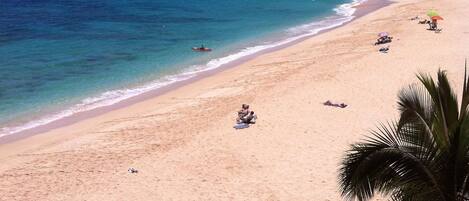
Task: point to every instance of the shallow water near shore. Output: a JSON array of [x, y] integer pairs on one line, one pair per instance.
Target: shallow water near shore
[[60, 58]]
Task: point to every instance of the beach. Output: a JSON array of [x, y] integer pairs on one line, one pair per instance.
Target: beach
[[183, 144]]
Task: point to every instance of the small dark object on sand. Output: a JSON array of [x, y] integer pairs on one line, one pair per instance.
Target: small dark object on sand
[[329, 103], [384, 49], [132, 170], [425, 21]]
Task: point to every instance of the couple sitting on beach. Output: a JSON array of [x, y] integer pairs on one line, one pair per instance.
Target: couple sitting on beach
[[245, 117]]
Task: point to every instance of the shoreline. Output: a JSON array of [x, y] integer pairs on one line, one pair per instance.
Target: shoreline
[[183, 143], [362, 9]]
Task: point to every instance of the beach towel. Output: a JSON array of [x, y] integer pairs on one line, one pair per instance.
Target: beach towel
[[241, 126]]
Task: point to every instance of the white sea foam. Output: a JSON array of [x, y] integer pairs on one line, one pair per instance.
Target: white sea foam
[[344, 13]]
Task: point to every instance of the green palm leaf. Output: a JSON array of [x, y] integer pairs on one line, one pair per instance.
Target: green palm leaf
[[422, 156]]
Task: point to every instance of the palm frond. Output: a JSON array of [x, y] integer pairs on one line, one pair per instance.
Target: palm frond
[[424, 156], [415, 106], [449, 102], [465, 93], [439, 125], [386, 162]]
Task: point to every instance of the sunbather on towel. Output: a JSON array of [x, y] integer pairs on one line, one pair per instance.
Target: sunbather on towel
[[329, 103], [383, 40]]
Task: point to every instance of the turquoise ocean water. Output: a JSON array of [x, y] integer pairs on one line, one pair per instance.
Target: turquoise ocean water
[[61, 57]]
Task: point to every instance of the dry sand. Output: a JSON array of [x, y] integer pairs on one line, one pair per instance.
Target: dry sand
[[183, 143]]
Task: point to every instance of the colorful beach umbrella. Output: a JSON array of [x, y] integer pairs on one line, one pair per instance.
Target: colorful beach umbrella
[[383, 34], [437, 18], [432, 13]]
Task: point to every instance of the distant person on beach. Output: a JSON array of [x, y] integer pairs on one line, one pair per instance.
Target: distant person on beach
[[244, 112], [245, 117], [329, 103], [250, 118], [425, 21]]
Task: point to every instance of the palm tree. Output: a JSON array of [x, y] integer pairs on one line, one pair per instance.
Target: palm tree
[[424, 156]]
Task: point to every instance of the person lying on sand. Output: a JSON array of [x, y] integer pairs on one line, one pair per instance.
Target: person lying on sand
[[425, 21], [329, 103], [383, 40]]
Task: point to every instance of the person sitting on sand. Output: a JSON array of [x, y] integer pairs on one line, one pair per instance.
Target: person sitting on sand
[[243, 113], [250, 118], [433, 25]]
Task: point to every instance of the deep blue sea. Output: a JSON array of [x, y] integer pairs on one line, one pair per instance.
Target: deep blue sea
[[59, 57]]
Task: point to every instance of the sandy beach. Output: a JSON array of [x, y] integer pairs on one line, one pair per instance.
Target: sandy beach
[[183, 142]]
